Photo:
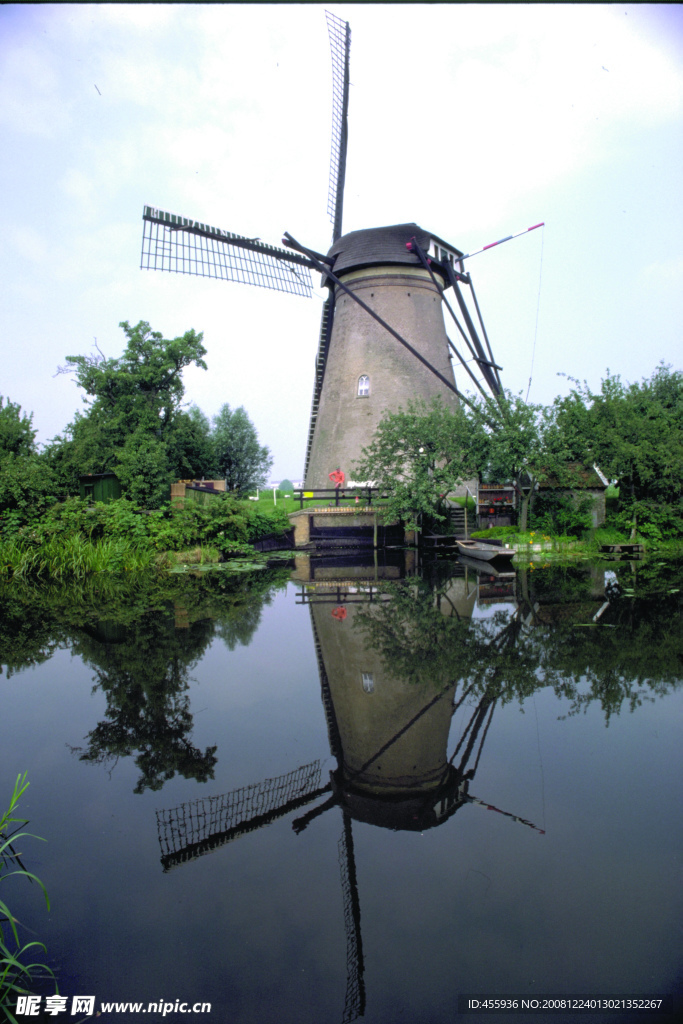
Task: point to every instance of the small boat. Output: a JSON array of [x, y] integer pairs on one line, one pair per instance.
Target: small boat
[[484, 552]]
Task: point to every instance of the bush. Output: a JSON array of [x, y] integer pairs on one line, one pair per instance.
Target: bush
[[27, 489], [654, 520], [560, 512], [75, 538], [608, 535], [496, 533]]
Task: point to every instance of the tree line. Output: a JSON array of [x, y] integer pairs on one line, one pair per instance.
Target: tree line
[[632, 432], [134, 425]]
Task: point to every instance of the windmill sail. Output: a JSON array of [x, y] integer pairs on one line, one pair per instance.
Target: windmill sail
[[195, 828], [354, 1004], [340, 45], [185, 246]]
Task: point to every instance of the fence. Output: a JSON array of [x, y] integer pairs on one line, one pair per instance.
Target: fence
[[340, 494]]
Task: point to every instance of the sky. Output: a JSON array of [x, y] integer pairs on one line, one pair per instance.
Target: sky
[[475, 121]]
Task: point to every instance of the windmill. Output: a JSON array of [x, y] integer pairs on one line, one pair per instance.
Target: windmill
[[393, 772], [382, 340]]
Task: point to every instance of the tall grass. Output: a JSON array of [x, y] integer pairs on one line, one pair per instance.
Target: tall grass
[[14, 973], [72, 555]]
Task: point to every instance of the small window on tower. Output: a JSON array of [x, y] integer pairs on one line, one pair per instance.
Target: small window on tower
[[363, 386], [368, 682]]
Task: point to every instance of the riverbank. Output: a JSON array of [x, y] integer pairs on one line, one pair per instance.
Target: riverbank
[[76, 539], [536, 546]]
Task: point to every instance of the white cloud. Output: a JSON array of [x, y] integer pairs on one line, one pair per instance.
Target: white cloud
[[670, 271], [28, 243], [29, 83]]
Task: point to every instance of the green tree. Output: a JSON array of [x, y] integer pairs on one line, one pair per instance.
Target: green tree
[[190, 446], [238, 455], [17, 436], [518, 448], [27, 484], [634, 432], [146, 381], [143, 468], [134, 424], [420, 455]]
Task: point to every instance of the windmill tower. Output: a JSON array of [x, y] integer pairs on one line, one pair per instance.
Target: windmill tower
[[383, 340]]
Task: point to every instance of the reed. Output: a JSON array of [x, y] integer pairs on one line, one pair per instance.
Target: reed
[[72, 556], [14, 972]]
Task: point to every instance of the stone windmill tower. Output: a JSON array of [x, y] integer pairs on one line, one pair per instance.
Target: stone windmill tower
[[383, 339]]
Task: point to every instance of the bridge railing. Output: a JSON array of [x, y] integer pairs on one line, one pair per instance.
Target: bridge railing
[[341, 495]]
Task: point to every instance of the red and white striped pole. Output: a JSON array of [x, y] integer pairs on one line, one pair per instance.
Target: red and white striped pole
[[501, 240]]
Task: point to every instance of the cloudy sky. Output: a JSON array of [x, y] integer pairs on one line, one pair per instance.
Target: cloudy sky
[[475, 121]]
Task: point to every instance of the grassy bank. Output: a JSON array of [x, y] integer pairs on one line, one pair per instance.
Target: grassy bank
[[535, 544], [75, 539], [288, 503]]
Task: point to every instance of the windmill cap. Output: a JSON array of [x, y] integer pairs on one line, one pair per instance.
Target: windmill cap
[[381, 247]]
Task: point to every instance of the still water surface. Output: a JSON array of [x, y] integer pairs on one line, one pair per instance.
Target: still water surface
[[340, 792]]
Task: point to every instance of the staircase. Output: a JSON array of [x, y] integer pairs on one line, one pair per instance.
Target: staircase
[[444, 534], [456, 522]]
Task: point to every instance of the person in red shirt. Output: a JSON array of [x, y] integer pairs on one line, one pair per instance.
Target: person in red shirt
[[337, 477]]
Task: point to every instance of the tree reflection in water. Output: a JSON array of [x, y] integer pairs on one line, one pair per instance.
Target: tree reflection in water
[[145, 677], [142, 639], [617, 642], [566, 629]]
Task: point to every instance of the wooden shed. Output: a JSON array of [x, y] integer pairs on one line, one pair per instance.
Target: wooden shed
[[99, 486], [582, 482]]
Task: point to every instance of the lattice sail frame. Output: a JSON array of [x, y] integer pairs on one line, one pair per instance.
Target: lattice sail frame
[[195, 828], [184, 246], [340, 45], [354, 1003]]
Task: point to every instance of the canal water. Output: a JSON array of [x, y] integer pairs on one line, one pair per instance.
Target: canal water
[[337, 790]]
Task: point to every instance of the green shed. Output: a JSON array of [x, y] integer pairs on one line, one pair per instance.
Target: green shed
[[99, 486]]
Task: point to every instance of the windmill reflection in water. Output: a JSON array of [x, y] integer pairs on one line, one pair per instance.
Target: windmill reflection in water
[[387, 734]]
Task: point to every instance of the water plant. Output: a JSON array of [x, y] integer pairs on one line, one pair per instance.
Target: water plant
[[76, 539], [72, 556], [14, 972]]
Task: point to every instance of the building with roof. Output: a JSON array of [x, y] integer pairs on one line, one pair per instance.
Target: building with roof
[[367, 372]]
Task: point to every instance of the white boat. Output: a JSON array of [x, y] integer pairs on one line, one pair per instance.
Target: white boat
[[484, 552]]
